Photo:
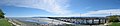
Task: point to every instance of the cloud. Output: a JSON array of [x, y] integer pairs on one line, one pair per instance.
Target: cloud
[[59, 7], [98, 13], [102, 13], [53, 6]]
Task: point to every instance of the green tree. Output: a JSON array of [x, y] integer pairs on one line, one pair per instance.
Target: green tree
[[114, 18], [2, 14]]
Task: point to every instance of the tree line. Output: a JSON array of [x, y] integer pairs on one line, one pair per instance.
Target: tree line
[[2, 14]]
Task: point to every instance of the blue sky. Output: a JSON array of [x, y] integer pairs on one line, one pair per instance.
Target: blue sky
[[31, 8]]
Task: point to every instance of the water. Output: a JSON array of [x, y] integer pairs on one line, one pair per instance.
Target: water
[[30, 20], [41, 20], [48, 21]]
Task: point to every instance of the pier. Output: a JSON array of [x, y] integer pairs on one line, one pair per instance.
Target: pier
[[82, 20]]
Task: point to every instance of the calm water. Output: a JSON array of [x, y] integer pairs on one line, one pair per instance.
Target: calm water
[[35, 20], [47, 21]]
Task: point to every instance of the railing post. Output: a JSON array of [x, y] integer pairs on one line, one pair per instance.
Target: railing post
[[99, 21], [92, 21]]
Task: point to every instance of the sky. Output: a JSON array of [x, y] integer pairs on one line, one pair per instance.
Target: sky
[[60, 8]]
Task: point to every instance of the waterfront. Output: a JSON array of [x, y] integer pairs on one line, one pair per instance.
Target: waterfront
[[48, 22], [38, 21]]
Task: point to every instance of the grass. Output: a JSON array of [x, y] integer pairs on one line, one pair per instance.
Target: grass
[[115, 24], [4, 22]]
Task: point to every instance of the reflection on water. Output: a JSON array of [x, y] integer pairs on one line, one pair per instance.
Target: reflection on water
[[35, 20], [41, 20], [48, 21]]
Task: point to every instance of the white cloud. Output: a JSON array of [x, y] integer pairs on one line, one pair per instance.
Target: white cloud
[[102, 13], [53, 6], [59, 7], [98, 13]]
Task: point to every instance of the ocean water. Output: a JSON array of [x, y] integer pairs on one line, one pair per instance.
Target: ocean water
[[31, 20], [49, 21], [40, 20]]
